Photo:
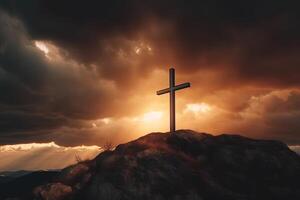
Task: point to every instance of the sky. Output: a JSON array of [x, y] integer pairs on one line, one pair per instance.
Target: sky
[[86, 73]]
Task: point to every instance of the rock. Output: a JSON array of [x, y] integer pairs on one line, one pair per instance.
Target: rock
[[74, 174], [53, 191], [184, 165]]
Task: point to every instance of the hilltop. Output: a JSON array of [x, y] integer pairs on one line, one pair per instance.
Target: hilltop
[[183, 165]]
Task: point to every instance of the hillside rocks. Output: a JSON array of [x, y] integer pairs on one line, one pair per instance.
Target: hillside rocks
[[185, 165], [53, 191]]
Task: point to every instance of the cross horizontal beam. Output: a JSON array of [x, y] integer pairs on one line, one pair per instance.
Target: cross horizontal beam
[[177, 87]]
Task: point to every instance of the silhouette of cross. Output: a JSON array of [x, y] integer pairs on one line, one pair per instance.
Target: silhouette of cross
[[172, 88]]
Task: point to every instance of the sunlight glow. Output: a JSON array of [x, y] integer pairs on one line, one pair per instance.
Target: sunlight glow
[[43, 156], [50, 51], [106, 120], [53, 145], [26, 147], [94, 125], [152, 116], [42, 46], [142, 48], [137, 50], [198, 108]]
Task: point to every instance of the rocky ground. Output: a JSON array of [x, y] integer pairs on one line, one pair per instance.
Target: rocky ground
[[182, 166]]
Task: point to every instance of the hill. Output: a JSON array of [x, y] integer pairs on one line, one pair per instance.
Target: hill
[[184, 165]]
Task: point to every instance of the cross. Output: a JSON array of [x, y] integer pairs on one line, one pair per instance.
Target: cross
[[172, 88]]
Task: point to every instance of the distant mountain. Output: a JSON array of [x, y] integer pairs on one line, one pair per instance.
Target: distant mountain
[[184, 165], [21, 183], [14, 174], [10, 175], [5, 179]]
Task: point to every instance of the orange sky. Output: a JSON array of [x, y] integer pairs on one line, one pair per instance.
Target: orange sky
[[94, 78], [210, 105]]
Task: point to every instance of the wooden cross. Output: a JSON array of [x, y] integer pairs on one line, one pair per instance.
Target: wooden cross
[[172, 88]]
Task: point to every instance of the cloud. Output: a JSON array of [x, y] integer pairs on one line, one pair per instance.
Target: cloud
[[40, 94], [43, 156], [279, 111], [253, 42], [270, 115], [295, 148], [65, 66]]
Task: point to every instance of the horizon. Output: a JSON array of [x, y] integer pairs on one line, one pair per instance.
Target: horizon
[[12, 156]]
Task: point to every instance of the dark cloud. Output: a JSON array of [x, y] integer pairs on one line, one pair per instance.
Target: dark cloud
[[274, 115], [254, 38], [37, 94], [111, 48], [282, 115]]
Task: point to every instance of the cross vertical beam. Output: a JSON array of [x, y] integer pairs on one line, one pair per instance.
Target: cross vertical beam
[[172, 99], [172, 88]]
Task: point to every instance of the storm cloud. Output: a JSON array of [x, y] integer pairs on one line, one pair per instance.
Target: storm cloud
[[106, 59]]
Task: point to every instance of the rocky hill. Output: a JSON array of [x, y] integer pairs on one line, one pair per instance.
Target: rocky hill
[[184, 165]]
